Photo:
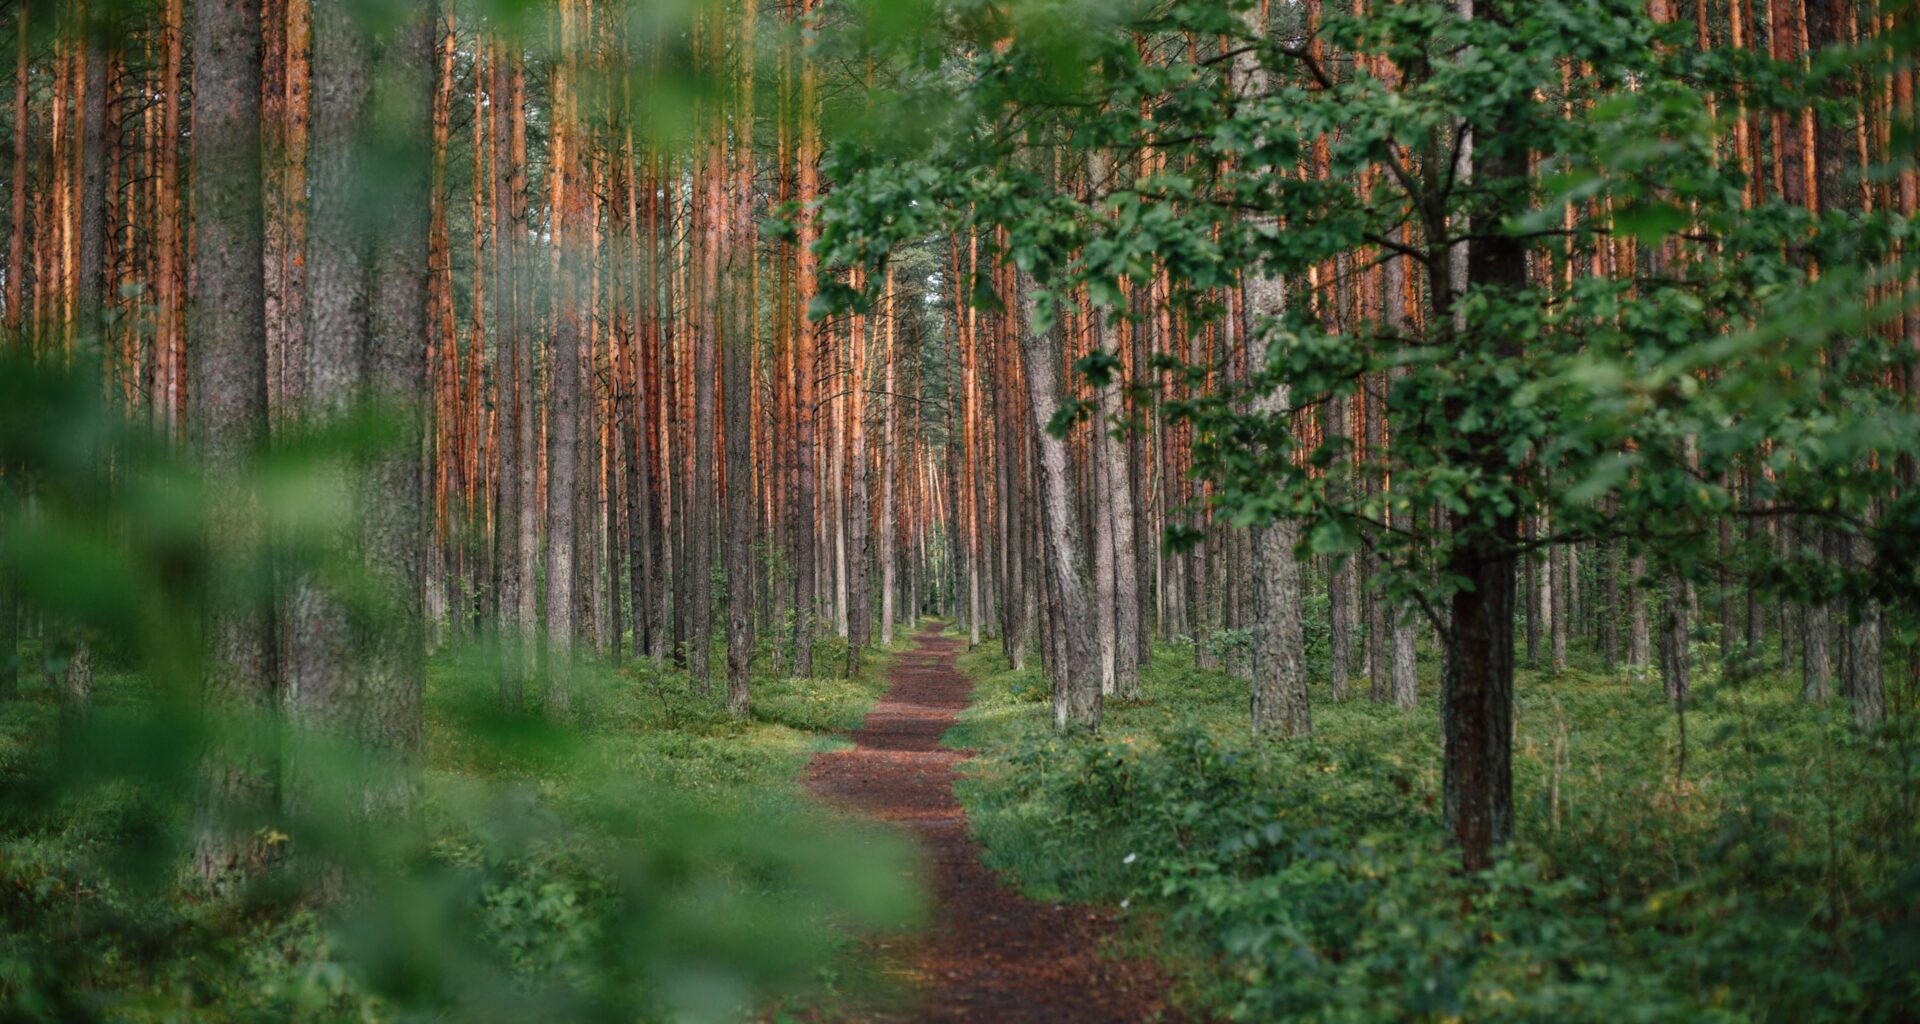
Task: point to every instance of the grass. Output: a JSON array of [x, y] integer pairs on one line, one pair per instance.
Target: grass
[[1766, 875], [652, 856]]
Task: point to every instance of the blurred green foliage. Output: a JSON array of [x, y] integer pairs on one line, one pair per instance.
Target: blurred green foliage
[[1775, 880], [653, 859]]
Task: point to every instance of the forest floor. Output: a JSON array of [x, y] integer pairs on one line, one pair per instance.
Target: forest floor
[[988, 954]]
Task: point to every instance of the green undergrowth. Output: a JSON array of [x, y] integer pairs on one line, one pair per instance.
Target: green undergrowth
[[1769, 875], [650, 857]]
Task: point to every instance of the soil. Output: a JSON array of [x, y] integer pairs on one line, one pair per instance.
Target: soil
[[988, 954]]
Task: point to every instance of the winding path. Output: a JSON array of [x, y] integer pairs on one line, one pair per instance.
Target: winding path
[[989, 954]]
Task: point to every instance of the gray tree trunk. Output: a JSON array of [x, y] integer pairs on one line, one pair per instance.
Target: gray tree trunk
[[1099, 508], [1119, 518], [1076, 683], [700, 527], [859, 505], [1279, 701], [737, 352], [1676, 661], [1639, 654], [227, 377], [394, 530], [512, 374], [76, 690], [319, 639], [1866, 686], [1340, 581], [889, 455]]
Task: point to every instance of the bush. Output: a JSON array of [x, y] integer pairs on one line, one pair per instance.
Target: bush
[[1311, 880]]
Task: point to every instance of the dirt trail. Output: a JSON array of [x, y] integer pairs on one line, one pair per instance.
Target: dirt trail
[[989, 955]]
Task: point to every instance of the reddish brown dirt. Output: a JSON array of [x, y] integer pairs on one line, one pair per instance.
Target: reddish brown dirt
[[988, 955]]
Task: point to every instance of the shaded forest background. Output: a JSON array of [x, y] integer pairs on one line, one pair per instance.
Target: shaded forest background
[[418, 417]]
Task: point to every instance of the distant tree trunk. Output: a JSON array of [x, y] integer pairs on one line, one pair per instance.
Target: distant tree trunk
[[806, 286], [319, 669], [1639, 644], [1829, 26], [889, 457], [1099, 507], [1477, 682], [1340, 579], [511, 376], [1076, 685], [1865, 683], [1816, 632], [1279, 704], [169, 231], [17, 235], [1675, 659], [1554, 594], [858, 499], [77, 686], [1376, 658], [643, 464], [9, 638], [1117, 503], [613, 538], [1529, 588], [228, 369], [1403, 681], [571, 299], [709, 178], [394, 530], [737, 354], [93, 185]]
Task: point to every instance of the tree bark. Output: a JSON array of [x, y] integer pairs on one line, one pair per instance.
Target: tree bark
[[1477, 682], [1279, 700], [889, 457], [228, 370], [393, 521], [319, 669], [806, 286], [1076, 682], [737, 353], [1675, 659], [77, 684], [17, 235], [574, 204]]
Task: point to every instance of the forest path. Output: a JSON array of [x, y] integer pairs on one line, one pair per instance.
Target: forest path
[[989, 954]]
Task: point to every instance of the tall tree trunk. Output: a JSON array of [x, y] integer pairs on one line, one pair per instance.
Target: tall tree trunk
[[1816, 619], [1477, 682], [806, 285], [889, 459], [1341, 583], [1279, 703], [394, 530], [76, 691], [1639, 644], [738, 356], [1076, 682], [574, 203], [858, 499], [1117, 499], [319, 670], [1675, 660], [228, 369], [1382, 435], [737, 352], [1279, 706], [17, 235], [514, 377]]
